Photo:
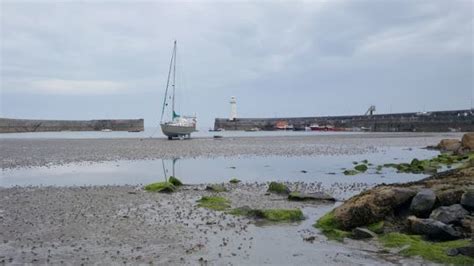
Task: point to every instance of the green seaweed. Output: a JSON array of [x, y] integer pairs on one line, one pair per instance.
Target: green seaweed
[[234, 180], [164, 187], [361, 167], [350, 172], [273, 215], [214, 203], [283, 215], [278, 188], [432, 251], [376, 227], [175, 181], [329, 226], [431, 166]]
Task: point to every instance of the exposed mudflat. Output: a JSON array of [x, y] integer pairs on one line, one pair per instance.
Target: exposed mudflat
[[46, 152], [124, 224]]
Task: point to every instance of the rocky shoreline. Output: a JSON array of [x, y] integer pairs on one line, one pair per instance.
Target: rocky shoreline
[[439, 208]]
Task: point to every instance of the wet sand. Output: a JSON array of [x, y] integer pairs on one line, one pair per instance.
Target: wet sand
[[124, 224], [47, 152]]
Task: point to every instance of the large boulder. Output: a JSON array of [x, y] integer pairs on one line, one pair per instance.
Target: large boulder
[[423, 203], [371, 206], [449, 214], [467, 200], [449, 145], [467, 141], [451, 196], [433, 229]]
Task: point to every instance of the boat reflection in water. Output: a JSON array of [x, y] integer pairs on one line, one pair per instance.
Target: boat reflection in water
[[165, 168]]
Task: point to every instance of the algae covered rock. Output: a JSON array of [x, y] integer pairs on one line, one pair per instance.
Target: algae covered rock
[[449, 214], [313, 196], [175, 181], [423, 203], [278, 188], [350, 172], [214, 203], [274, 215], [361, 167], [371, 206], [164, 187]]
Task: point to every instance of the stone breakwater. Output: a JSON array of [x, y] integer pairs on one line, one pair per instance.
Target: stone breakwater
[[439, 121], [8, 125]]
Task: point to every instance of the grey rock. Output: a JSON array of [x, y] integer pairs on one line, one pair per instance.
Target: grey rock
[[423, 203], [467, 251], [362, 233], [452, 252], [467, 200], [433, 229], [449, 214]]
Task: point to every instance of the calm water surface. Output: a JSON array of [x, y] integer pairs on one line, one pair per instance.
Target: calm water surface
[[325, 169]]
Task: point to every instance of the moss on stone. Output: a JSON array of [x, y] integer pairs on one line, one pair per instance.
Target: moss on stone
[[283, 215], [175, 181], [329, 226], [361, 167], [278, 188], [376, 227], [432, 251], [273, 215], [350, 172], [214, 203], [234, 180], [165, 187]]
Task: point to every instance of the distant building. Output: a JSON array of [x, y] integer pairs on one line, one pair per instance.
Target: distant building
[[233, 108]]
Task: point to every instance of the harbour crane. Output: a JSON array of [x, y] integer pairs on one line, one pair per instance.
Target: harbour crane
[[370, 111]]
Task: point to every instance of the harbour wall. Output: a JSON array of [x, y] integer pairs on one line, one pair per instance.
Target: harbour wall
[[438, 121], [8, 125]]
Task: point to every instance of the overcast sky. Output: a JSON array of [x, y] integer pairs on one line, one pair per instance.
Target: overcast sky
[[90, 60]]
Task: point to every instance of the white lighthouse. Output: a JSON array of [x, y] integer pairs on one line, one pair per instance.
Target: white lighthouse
[[233, 108]]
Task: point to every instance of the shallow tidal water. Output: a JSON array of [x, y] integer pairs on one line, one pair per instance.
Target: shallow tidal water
[[326, 170]]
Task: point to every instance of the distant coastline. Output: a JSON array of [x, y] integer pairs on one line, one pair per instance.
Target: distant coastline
[[10, 125]]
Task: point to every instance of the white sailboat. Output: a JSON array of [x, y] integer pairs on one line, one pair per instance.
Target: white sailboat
[[179, 126]]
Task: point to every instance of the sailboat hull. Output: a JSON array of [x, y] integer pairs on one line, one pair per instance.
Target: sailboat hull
[[172, 131]]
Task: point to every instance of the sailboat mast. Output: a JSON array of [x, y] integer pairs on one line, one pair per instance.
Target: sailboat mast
[[174, 78], [168, 84]]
